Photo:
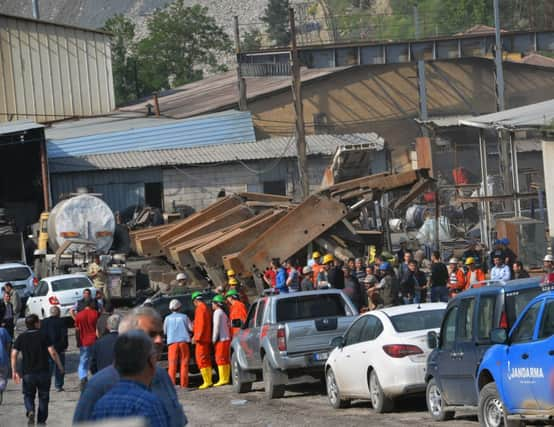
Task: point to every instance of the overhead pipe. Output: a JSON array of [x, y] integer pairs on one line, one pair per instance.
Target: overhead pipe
[[36, 14]]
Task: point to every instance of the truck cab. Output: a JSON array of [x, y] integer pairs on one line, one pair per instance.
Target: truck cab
[[465, 337], [515, 381]]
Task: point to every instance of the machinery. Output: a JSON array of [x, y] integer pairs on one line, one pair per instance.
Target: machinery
[[73, 233]]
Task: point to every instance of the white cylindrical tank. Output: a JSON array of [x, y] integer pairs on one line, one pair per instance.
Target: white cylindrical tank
[[82, 217]]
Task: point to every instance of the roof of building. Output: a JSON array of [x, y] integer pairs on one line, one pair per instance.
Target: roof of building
[[58, 24], [220, 92], [125, 132], [445, 121], [273, 148], [18, 126], [538, 60], [533, 116]]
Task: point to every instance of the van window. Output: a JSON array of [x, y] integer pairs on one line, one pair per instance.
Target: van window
[[13, 274], [70, 283], [526, 326], [448, 330], [260, 313], [547, 323], [310, 307], [516, 301], [465, 324], [485, 317]]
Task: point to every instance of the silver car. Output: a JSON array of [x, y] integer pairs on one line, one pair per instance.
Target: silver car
[[20, 276]]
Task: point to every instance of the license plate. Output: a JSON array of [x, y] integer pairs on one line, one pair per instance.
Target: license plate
[[321, 356]]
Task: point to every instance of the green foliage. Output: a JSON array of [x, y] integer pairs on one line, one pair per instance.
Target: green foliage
[[251, 40], [180, 41], [123, 58], [276, 17]]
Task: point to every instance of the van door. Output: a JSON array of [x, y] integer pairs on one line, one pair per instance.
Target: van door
[[446, 374], [543, 387], [246, 336], [466, 352]]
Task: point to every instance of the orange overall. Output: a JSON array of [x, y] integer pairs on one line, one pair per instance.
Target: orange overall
[[456, 282], [237, 311], [202, 332]]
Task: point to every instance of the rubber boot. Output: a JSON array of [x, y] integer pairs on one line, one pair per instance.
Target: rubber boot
[[224, 373], [207, 377]]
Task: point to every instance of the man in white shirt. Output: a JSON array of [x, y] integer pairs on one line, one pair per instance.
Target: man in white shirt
[[500, 271], [177, 328]]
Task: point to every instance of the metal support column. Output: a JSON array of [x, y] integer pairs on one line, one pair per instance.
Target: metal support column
[[44, 172], [498, 60], [242, 101], [485, 235], [515, 175]]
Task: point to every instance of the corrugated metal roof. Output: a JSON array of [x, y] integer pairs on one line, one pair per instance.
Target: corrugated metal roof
[[445, 121], [528, 117], [272, 148], [110, 135], [18, 126], [220, 92]]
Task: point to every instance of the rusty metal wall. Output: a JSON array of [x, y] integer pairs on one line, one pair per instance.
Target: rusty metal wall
[[50, 71]]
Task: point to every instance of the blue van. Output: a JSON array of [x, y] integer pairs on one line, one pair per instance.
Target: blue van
[[465, 337], [515, 381]]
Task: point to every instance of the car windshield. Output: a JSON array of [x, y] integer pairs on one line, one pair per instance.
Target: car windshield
[[416, 321], [310, 307], [14, 273], [70, 283], [516, 301]]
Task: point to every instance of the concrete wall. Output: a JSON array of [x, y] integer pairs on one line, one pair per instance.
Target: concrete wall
[[198, 186], [50, 71]]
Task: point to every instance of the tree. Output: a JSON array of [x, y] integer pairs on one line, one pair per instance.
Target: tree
[[124, 63], [180, 41], [276, 17], [251, 40]]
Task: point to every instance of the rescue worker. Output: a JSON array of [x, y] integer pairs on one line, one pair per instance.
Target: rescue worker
[[177, 327], [181, 285], [456, 278], [234, 284], [315, 259], [231, 273], [388, 287], [316, 266], [237, 310], [96, 273], [202, 336], [221, 339], [322, 278], [548, 264], [474, 273]]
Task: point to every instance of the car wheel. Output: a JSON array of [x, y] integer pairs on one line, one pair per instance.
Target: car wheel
[[333, 392], [272, 390], [239, 386], [380, 402], [435, 402], [491, 409]]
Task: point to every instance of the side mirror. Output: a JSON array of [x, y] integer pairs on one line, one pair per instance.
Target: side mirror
[[499, 336], [337, 342], [236, 323], [432, 339]]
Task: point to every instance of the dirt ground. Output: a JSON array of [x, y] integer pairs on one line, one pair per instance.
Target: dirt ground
[[303, 405]]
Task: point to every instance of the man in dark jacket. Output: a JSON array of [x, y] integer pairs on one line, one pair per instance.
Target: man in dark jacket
[[8, 315], [101, 354], [336, 275], [519, 271], [55, 328], [413, 285], [352, 287]]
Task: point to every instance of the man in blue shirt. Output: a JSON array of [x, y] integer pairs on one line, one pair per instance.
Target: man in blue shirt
[[148, 320], [5, 343], [177, 328], [500, 271], [135, 361]]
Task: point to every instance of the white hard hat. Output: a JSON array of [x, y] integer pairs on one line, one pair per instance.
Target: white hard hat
[[548, 258], [175, 304], [453, 261], [181, 276]]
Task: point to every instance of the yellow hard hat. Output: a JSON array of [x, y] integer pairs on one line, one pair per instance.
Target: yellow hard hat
[[233, 281], [328, 258], [231, 273], [470, 260], [316, 255]]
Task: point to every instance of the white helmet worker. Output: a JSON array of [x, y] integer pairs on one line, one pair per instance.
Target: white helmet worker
[[453, 261], [181, 276], [548, 258], [175, 305]]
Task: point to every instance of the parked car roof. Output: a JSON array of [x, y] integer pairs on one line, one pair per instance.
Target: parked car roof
[[410, 308], [13, 265], [64, 276]]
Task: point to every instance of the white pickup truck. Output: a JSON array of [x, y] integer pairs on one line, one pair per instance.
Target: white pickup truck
[[286, 336]]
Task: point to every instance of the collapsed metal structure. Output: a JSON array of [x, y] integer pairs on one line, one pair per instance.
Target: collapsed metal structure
[[245, 231]]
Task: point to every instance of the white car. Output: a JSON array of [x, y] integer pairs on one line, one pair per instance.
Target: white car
[[382, 355], [20, 276], [63, 291]]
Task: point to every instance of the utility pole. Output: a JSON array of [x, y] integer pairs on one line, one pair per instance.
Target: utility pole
[[298, 111], [240, 80], [498, 59]]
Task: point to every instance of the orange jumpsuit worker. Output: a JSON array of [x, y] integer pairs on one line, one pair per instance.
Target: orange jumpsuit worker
[[221, 338], [456, 278], [237, 310], [202, 335], [177, 328], [474, 274]]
